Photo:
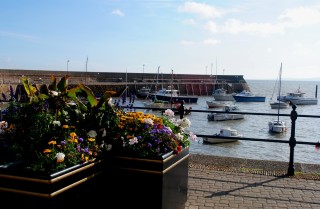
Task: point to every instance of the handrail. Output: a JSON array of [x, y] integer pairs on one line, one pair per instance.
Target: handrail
[[292, 141]]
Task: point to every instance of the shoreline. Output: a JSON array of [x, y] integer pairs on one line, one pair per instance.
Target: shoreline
[[262, 167]]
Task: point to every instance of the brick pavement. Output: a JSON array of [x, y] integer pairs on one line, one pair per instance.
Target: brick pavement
[[220, 189]]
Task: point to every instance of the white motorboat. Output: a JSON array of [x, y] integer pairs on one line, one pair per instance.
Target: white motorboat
[[226, 115], [173, 96], [216, 104], [297, 98], [221, 95], [279, 105], [225, 135]]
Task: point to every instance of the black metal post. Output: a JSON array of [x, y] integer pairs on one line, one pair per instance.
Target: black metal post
[[292, 140]]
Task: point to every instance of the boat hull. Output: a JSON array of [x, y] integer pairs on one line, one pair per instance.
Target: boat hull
[[304, 101], [219, 140], [223, 117], [214, 104], [221, 97], [279, 105], [178, 99], [277, 126], [249, 99]]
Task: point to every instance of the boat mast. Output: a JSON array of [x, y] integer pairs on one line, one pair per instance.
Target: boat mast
[[157, 79], [171, 86], [216, 72], [279, 90]]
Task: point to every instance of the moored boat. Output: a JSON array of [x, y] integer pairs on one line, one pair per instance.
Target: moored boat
[[222, 95], [216, 104], [278, 126], [297, 98], [173, 96], [225, 135], [143, 92], [279, 105], [247, 96], [226, 115]]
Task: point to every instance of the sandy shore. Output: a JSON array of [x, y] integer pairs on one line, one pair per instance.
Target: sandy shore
[[263, 167]]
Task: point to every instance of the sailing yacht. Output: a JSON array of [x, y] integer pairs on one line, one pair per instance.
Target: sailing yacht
[[278, 126], [277, 104]]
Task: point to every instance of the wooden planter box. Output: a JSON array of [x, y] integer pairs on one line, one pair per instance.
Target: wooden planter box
[[145, 183], [52, 191]]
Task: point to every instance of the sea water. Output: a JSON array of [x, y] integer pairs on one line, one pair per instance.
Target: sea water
[[256, 126]]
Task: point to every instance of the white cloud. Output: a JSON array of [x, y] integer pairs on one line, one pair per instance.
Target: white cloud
[[211, 26], [186, 42], [236, 26], [300, 16], [117, 12], [201, 9], [189, 22], [211, 41]]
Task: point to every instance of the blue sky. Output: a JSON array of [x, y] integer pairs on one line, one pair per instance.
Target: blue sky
[[232, 37]]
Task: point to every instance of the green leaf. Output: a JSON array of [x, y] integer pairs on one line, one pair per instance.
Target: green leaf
[[90, 96]]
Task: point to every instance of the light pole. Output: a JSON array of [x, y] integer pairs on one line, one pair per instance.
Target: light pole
[[142, 71], [68, 67]]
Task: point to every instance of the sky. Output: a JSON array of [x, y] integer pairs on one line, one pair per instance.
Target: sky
[[231, 37]]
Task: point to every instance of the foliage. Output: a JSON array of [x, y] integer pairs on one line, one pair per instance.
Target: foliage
[[147, 135], [38, 126], [57, 127]]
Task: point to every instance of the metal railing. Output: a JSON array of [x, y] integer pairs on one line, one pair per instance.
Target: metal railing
[[292, 140]]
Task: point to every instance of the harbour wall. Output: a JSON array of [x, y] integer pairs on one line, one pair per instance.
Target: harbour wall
[[187, 84]]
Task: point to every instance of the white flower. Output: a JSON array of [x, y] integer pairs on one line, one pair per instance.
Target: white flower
[[184, 123], [92, 134], [168, 112], [104, 133], [148, 121], [110, 102], [134, 140], [60, 157], [54, 93], [56, 123], [179, 136]]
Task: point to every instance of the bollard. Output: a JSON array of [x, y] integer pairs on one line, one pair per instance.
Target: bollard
[[292, 140]]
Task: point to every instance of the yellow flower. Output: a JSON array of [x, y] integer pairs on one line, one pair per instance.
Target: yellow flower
[[52, 142]]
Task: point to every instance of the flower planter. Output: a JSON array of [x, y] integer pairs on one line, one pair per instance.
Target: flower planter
[[147, 183], [49, 191]]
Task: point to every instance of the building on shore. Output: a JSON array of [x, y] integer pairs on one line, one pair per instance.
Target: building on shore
[[187, 84]]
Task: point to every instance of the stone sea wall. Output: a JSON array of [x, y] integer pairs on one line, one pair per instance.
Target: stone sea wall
[[187, 84]]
